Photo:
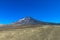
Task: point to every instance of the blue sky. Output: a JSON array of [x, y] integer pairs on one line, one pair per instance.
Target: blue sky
[[45, 10]]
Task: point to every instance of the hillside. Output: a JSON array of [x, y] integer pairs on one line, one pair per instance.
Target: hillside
[[45, 32]]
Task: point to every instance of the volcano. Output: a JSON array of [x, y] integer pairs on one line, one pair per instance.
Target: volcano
[[32, 21], [27, 21]]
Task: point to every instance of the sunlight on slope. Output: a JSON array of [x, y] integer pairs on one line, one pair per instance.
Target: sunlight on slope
[[36, 33]]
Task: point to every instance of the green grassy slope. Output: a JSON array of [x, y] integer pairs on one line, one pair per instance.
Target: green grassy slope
[[35, 33]]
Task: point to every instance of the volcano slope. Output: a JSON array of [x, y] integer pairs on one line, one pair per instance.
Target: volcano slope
[[45, 32]]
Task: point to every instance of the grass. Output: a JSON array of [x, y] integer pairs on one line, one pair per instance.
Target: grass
[[36, 33]]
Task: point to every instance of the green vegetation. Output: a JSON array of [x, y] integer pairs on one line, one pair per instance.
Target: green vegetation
[[36, 33]]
